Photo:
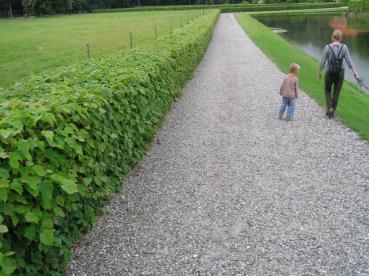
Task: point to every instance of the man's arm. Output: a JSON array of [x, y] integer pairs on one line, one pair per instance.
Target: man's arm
[[323, 61], [350, 63]]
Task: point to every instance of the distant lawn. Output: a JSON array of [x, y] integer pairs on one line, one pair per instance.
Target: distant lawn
[[28, 46], [354, 104], [240, 7]]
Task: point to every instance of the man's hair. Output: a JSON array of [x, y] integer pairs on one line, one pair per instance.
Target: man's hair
[[337, 35], [294, 67]]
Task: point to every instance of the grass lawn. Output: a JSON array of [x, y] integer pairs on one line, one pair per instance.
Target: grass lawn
[[354, 104], [28, 46], [230, 7]]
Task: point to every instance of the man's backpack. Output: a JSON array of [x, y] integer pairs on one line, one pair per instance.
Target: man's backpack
[[335, 63]]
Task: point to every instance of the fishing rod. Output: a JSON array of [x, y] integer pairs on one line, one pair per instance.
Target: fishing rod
[[362, 84]]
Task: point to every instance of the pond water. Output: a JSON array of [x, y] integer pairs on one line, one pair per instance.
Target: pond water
[[312, 32]]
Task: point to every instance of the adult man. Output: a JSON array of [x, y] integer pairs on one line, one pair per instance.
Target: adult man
[[333, 56]]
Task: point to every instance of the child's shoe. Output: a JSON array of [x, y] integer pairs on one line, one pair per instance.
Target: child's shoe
[[289, 119]]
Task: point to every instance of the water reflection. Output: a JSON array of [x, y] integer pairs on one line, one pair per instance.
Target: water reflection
[[312, 32], [341, 24]]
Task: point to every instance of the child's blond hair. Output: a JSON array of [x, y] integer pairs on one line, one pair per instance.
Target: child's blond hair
[[294, 67]]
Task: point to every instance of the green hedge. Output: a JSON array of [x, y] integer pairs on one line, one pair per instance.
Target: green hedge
[[69, 137], [231, 7], [278, 7], [360, 22], [359, 6], [333, 11]]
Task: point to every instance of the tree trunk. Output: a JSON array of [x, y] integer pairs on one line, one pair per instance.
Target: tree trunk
[[10, 10]]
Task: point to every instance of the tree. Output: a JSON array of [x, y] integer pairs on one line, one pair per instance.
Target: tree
[[42, 7], [11, 6]]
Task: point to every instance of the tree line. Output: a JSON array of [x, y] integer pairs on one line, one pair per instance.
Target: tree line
[[44, 7]]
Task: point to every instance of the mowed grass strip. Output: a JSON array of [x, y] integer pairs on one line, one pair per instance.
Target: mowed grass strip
[[354, 104], [28, 46]]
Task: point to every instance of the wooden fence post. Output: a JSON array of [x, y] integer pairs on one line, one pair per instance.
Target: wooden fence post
[[88, 51]]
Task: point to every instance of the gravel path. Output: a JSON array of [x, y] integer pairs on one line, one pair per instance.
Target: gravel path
[[228, 188]]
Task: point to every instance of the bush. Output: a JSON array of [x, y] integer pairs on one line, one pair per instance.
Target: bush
[[360, 22], [359, 6], [231, 7], [278, 7], [69, 137]]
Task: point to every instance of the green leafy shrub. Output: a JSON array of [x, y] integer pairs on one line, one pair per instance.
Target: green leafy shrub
[[359, 6], [231, 7], [278, 7], [360, 22], [69, 137]]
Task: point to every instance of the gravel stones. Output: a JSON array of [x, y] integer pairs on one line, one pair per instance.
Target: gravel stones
[[232, 189]]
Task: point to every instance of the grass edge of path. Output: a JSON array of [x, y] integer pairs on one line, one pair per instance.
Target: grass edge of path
[[353, 107]]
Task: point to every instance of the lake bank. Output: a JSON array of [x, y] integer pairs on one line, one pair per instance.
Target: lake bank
[[353, 109], [302, 32]]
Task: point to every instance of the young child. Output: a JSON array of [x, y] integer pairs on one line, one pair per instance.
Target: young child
[[289, 92]]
